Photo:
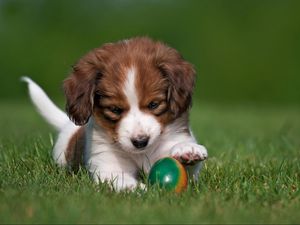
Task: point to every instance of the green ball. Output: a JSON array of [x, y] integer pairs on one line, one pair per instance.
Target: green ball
[[169, 174]]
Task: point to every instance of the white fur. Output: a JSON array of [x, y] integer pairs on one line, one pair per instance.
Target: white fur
[[45, 106], [129, 88], [117, 163]]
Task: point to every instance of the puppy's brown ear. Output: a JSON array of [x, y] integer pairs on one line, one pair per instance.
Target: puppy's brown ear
[[181, 76], [79, 89]]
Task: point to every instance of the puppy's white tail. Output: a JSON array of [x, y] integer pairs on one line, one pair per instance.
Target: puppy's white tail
[[56, 117]]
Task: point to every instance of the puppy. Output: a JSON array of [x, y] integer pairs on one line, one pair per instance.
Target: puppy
[[128, 106]]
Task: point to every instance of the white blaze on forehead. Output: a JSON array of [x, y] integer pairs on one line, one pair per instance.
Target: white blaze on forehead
[[136, 122], [129, 88]]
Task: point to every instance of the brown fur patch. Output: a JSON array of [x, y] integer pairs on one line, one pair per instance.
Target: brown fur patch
[[74, 151]]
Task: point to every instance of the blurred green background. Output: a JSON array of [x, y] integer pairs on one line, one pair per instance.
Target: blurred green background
[[243, 51]]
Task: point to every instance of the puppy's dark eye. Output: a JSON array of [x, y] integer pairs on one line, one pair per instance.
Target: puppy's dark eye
[[153, 105], [116, 110]]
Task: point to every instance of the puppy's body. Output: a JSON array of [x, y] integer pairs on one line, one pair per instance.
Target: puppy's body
[[130, 102]]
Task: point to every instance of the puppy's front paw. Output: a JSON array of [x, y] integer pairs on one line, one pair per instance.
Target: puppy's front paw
[[189, 153], [117, 181], [124, 185]]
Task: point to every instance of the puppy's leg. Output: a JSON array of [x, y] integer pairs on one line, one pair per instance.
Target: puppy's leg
[[118, 180], [190, 154], [67, 151], [118, 171]]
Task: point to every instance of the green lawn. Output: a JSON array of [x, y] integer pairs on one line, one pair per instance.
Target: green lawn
[[252, 174]]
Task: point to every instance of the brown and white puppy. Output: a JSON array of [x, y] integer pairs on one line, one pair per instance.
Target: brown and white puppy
[[128, 106]]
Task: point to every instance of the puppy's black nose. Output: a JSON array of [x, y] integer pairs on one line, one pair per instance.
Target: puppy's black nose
[[140, 141]]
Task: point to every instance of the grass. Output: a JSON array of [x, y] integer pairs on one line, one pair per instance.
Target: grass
[[252, 175]]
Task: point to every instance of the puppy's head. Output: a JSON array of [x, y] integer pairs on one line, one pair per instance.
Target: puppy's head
[[132, 89]]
